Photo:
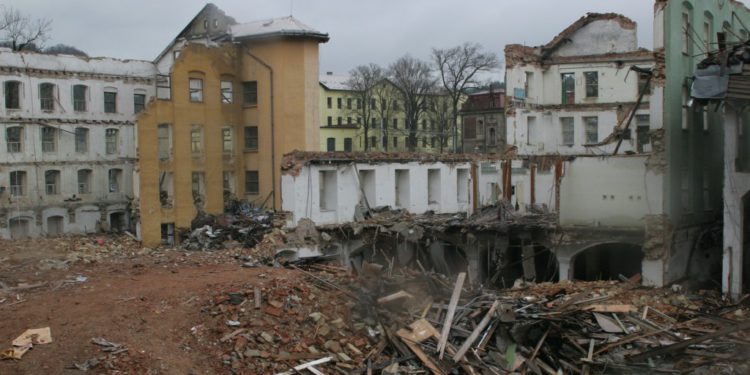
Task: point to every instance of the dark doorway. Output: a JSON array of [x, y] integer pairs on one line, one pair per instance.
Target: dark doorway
[[607, 262]]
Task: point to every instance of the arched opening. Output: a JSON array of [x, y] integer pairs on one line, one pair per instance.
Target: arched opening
[[607, 262], [55, 225], [20, 227]]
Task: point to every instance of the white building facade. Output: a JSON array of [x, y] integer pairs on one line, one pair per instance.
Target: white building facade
[[67, 128]]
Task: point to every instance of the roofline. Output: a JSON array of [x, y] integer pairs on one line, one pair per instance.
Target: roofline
[[174, 40], [321, 37]]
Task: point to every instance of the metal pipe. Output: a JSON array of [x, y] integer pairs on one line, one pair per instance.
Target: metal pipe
[[273, 134]]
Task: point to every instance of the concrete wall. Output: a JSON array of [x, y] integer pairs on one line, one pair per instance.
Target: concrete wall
[[302, 192], [600, 37]]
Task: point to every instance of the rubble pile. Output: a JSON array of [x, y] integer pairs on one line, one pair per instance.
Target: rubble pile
[[417, 321], [228, 231], [270, 327]]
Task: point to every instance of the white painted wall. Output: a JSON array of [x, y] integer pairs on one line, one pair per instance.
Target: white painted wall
[[126, 77], [301, 196], [609, 191], [599, 37]]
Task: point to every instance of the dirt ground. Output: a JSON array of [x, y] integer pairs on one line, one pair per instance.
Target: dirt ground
[[148, 301]]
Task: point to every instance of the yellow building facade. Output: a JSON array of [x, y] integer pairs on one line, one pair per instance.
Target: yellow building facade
[[342, 123], [234, 109]]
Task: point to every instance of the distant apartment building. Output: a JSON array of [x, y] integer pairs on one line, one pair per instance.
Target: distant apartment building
[[351, 121], [67, 126], [483, 119], [232, 98]]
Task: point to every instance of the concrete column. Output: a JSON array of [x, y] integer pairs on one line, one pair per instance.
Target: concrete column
[[473, 249], [736, 185]]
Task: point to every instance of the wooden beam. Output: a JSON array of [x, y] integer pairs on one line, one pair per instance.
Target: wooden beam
[[458, 287], [473, 337]]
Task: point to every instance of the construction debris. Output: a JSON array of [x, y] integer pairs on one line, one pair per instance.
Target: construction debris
[[242, 230], [26, 341]]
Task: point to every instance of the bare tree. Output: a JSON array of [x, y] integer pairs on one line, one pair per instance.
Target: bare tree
[[20, 32], [458, 68], [413, 78], [386, 105], [362, 80]]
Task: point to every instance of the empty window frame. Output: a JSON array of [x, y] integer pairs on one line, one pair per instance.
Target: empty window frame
[[592, 129], [252, 183], [227, 182], [47, 96], [250, 93], [17, 183], [327, 184], [52, 182], [196, 89], [12, 91], [14, 139], [251, 138], [110, 102], [49, 139], [462, 185], [112, 141], [164, 86], [227, 91], [592, 84], [84, 181], [643, 137], [227, 143], [567, 131], [114, 177], [79, 98], [568, 88], [164, 141]]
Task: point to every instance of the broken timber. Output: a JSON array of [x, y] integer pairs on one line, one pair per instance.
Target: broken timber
[[451, 311]]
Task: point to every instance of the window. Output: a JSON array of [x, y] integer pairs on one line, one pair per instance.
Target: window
[[51, 182], [395, 142], [228, 182], [338, 103], [339, 121], [347, 144], [592, 84], [115, 180], [327, 190], [528, 84], [359, 103], [226, 140], [424, 124], [196, 90], [164, 86], [568, 88], [568, 134], [14, 139], [329, 102], [642, 129], [12, 94], [250, 93], [348, 103], [592, 129], [372, 104], [330, 121], [707, 26], [164, 141], [395, 123], [84, 181], [47, 96], [82, 140], [424, 142], [373, 141], [374, 122], [685, 109], [227, 92], [49, 139], [395, 105], [196, 140], [432, 142], [79, 98], [531, 131], [17, 183], [359, 120], [251, 137], [348, 120], [111, 141], [252, 184], [110, 102], [139, 103], [330, 144], [198, 185]]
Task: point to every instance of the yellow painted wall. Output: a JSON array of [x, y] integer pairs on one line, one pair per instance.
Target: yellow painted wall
[[295, 95]]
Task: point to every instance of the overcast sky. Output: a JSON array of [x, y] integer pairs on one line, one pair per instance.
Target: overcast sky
[[377, 31]]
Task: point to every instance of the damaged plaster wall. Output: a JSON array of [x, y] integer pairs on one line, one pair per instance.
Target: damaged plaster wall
[[397, 184]]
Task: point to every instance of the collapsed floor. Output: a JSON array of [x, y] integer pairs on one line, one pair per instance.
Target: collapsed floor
[[261, 299]]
